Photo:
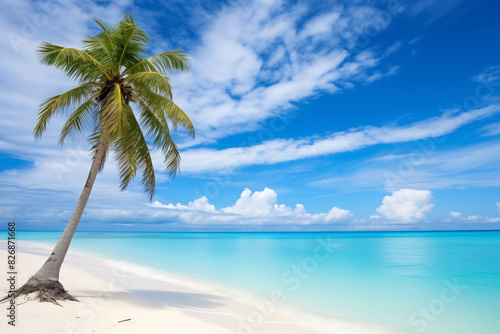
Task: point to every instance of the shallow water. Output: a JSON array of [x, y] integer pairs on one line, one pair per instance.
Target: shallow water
[[423, 282]]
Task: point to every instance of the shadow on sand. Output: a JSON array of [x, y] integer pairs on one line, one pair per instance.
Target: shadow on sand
[[181, 299]]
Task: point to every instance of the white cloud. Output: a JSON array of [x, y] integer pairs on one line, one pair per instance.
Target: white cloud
[[427, 165], [200, 204], [253, 208], [456, 216], [406, 205], [492, 129], [282, 150], [257, 59], [490, 77], [260, 203], [321, 24], [336, 214], [414, 40], [436, 9], [394, 47], [482, 219], [474, 219]]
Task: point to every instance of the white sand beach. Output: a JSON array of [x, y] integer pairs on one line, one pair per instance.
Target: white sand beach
[[116, 299]]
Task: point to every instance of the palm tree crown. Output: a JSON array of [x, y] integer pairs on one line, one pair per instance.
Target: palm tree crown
[[114, 75]]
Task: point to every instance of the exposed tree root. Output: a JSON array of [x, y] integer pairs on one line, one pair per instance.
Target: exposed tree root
[[49, 291]]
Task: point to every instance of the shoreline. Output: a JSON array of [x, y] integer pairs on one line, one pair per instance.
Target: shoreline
[[105, 286]]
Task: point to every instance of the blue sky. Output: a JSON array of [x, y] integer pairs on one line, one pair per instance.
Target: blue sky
[[310, 115]]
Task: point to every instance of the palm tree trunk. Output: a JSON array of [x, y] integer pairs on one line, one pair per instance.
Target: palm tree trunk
[[50, 270], [46, 280]]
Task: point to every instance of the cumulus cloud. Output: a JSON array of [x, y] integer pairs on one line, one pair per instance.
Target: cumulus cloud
[[258, 207], [336, 214], [475, 219], [264, 203], [406, 205], [200, 204], [482, 219], [260, 203]]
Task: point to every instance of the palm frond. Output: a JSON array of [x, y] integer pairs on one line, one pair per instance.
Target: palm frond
[[106, 28], [112, 112], [131, 42], [77, 64], [101, 46], [156, 126], [170, 61], [150, 81], [132, 154], [164, 106], [126, 163], [83, 118], [60, 103]]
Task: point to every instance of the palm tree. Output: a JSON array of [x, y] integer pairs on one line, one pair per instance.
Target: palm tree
[[113, 74]]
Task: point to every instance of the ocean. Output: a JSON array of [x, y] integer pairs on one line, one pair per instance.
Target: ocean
[[421, 282]]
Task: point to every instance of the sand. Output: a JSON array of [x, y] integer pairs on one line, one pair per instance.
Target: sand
[[117, 297]]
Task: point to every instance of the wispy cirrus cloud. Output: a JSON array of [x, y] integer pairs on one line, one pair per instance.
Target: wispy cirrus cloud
[[251, 60], [254, 61], [435, 10], [490, 130], [284, 150], [425, 167]]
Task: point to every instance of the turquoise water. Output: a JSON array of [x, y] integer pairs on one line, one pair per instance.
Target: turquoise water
[[423, 282]]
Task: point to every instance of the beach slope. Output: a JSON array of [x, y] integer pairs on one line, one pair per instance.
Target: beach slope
[[115, 299]]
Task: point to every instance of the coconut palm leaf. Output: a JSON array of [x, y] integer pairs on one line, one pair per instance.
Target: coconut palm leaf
[[158, 129], [76, 64], [61, 103], [164, 62], [80, 120], [113, 74]]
